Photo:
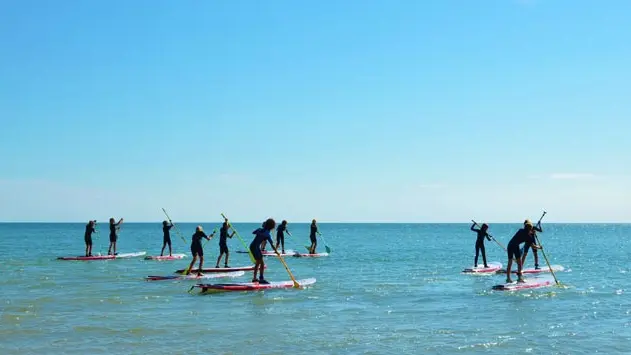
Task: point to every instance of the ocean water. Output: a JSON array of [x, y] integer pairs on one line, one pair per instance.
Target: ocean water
[[385, 288]]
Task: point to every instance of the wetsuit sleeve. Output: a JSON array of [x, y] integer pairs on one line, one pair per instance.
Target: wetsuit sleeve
[[488, 237], [538, 228], [473, 229], [268, 237]]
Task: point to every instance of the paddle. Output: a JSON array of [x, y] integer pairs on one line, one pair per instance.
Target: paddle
[[326, 247], [99, 237], [211, 236], [492, 237], [543, 252], [241, 239], [296, 284], [177, 230]]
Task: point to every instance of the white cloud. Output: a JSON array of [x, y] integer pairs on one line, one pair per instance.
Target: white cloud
[[572, 176]]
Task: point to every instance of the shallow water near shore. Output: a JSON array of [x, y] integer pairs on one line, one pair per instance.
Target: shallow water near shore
[[384, 288]]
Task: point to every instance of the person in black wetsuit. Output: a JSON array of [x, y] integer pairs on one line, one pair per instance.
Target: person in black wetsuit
[[166, 239], [260, 235], [280, 235], [479, 243], [524, 235], [197, 250], [536, 229], [89, 229], [312, 237], [223, 243], [114, 228]]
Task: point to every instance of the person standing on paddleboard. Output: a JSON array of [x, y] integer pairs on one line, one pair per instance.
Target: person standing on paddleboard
[[223, 243], [312, 237], [536, 229], [197, 250], [479, 243], [89, 229], [524, 235], [114, 228], [260, 235], [166, 238], [280, 235]]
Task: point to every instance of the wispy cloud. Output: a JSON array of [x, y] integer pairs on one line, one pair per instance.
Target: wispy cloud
[[431, 186], [571, 176]]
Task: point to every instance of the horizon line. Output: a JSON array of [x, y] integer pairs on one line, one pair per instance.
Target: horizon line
[[308, 222]]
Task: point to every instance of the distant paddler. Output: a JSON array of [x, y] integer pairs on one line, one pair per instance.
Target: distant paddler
[[312, 237], [87, 237], [479, 243], [197, 250], [280, 235], [166, 237], [223, 242], [114, 229]]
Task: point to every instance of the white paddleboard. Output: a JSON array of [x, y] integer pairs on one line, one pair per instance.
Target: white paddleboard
[[480, 269]]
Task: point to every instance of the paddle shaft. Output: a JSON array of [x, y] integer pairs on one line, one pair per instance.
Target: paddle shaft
[[492, 237], [177, 230], [241, 239], [543, 251]]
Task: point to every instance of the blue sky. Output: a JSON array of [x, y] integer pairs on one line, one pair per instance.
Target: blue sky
[[358, 111]]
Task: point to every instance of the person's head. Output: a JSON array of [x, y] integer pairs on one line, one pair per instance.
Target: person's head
[[112, 220], [164, 223], [199, 229], [270, 224], [485, 227], [284, 222], [313, 222], [528, 227], [92, 223], [225, 224], [527, 222]]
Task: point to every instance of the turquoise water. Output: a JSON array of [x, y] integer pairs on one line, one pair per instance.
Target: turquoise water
[[385, 288]]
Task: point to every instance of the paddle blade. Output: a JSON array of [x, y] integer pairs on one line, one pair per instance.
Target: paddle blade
[[328, 250]]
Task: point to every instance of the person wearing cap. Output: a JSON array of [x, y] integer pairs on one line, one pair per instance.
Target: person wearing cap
[[526, 236], [536, 229], [479, 243], [197, 250]]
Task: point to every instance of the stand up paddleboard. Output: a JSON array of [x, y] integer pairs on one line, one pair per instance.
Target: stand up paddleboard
[[103, 257], [287, 252], [307, 255], [219, 269], [166, 257], [195, 277], [532, 270], [480, 269], [528, 284], [251, 286]]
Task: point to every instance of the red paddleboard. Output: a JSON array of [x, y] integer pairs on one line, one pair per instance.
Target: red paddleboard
[[251, 286], [195, 277], [102, 257], [219, 269], [532, 270], [480, 269], [166, 257], [307, 255], [528, 284]]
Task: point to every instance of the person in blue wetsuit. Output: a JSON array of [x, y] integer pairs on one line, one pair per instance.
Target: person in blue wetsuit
[[536, 229], [87, 237], [197, 250], [526, 236], [114, 228], [166, 238], [260, 235], [312, 237], [223, 242], [280, 235], [479, 243]]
